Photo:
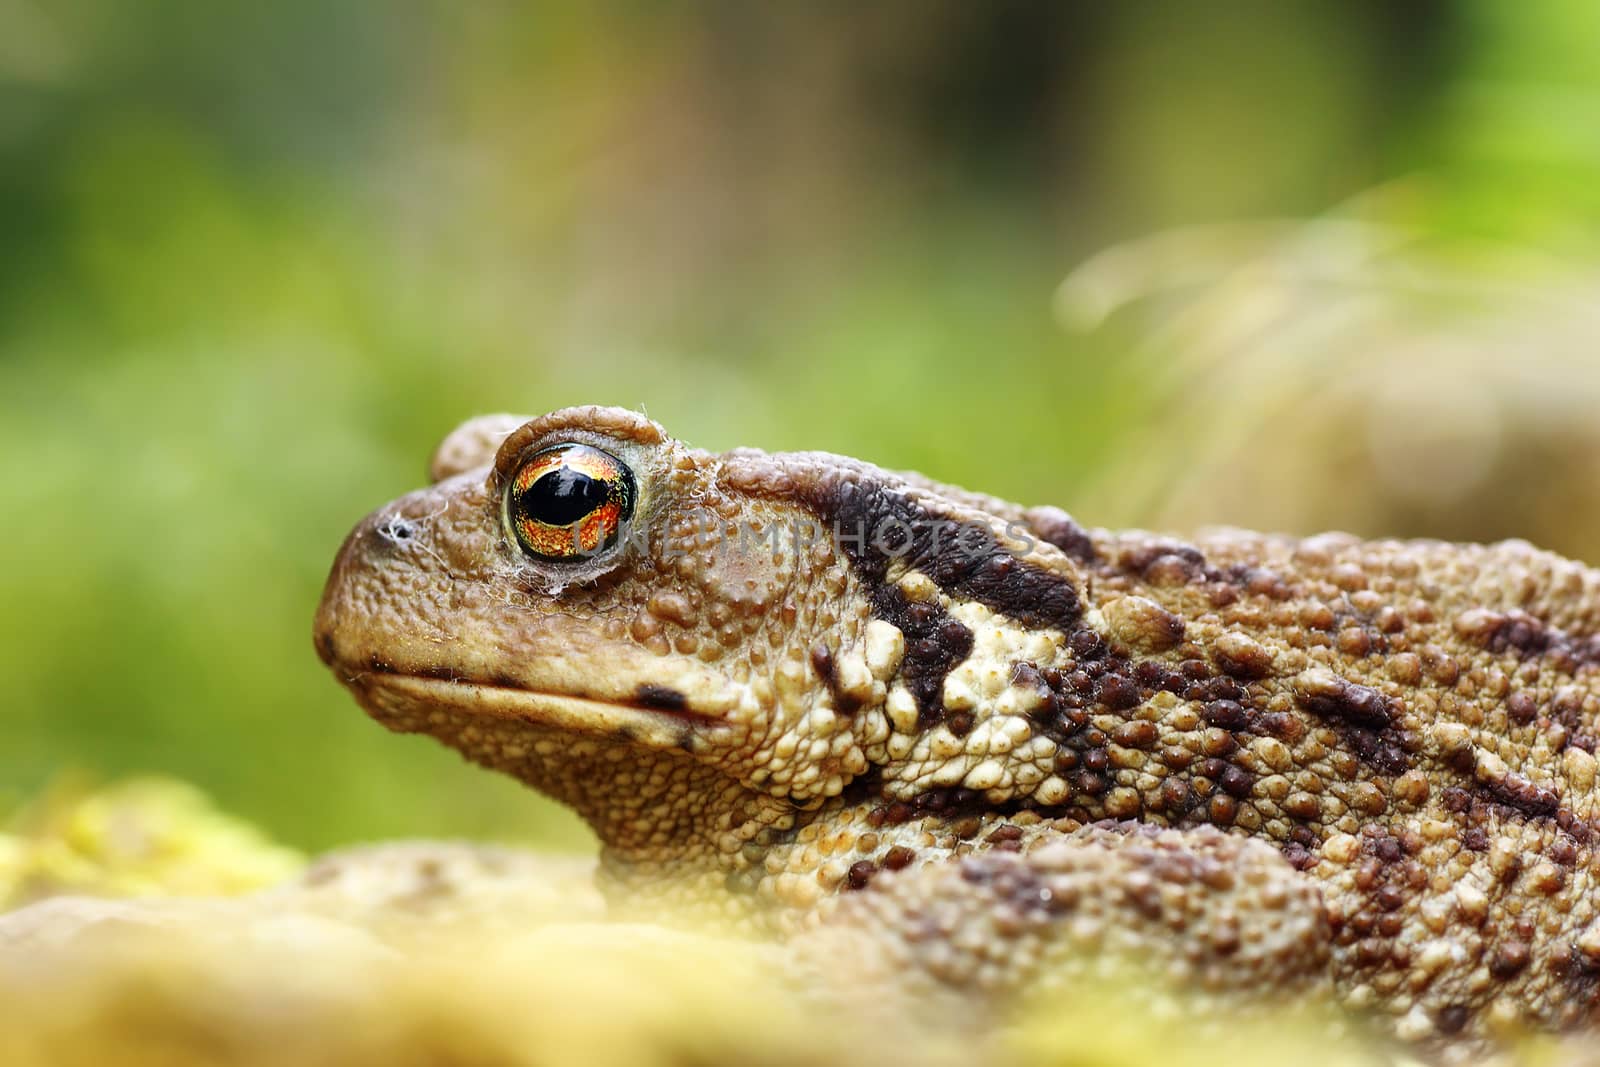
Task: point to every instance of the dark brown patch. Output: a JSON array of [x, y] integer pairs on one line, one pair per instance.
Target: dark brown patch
[[1299, 857], [892, 814], [950, 803], [1058, 528], [1258, 581], [1226, 714], [822, 663], [1511, 795], [1176, 799], [1355, 704], [1237, 782], [874, 523], [1377, 752], [1248, 661], [1567, 709], [1529, 637], [934, 641], [1452, 1018], [828, 673], [1522, 796], [1027, 675], [660, 697], [1523, 634], [1218, 688], [1574, 827], [959, 808], [1164, 562], [1363, 718], [1510, 958], [1579, 973], [967, 826], [1522, 708], [864, 789], [860, 874], [1118, 692], [1165, 630], [898, 858]]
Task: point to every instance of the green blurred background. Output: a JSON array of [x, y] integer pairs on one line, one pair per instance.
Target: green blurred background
[[1277, 263]]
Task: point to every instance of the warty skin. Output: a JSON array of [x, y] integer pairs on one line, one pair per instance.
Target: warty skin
[[965, 744]]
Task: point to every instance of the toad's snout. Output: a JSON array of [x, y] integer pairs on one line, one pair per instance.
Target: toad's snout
[[389, 595]]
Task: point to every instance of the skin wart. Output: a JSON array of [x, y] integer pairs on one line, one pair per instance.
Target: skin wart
[[963, 746]]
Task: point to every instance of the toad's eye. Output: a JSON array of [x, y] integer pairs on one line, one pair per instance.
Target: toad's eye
[[568, 502]]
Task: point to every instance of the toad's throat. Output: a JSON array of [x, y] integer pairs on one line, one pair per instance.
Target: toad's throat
[[655, 716]]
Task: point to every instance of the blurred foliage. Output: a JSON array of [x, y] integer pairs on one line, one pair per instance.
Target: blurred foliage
[[147, 837], [258, 258]]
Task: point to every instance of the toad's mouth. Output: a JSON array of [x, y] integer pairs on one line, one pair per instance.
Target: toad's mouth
[[654, 715]]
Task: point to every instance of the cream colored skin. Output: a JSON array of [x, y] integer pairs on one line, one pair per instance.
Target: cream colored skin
[[1394, 736]]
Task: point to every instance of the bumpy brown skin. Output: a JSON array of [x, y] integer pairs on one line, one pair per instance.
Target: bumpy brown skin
[[860, 732]]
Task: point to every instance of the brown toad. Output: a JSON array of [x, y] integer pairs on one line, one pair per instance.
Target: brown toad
[[954, 740]]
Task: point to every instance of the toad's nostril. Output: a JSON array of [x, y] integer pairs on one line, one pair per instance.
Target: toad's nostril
[[395, 530]]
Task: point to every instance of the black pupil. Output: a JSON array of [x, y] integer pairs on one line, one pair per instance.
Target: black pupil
[[563, 496]]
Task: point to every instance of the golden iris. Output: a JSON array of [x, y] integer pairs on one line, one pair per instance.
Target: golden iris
[[568, 502]]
